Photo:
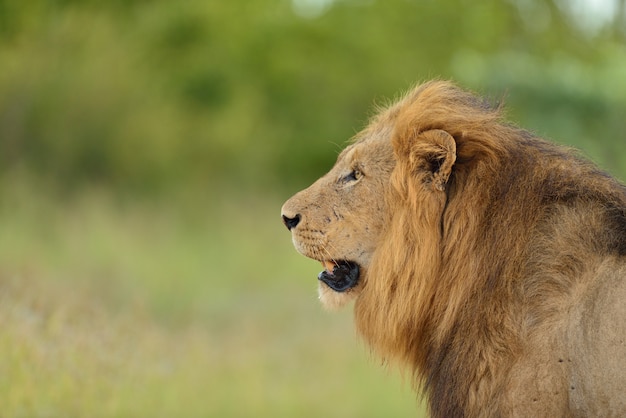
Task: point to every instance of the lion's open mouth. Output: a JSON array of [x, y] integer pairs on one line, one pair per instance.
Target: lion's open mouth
[[340, 276]]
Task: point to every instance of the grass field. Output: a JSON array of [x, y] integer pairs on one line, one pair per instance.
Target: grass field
[[160, 309]]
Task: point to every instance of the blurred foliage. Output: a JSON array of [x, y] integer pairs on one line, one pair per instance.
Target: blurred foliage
[[142, 95]]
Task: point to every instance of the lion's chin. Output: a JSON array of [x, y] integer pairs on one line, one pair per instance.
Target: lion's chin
[[333, 300]]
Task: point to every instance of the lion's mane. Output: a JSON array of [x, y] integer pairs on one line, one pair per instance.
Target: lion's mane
[[462, 280]]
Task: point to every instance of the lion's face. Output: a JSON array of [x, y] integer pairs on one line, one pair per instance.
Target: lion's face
[[338, 220]]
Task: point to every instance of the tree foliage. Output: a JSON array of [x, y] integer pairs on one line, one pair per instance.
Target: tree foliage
[[146, 95]]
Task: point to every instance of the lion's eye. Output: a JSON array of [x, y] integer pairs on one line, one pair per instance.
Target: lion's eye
[[352, 176]]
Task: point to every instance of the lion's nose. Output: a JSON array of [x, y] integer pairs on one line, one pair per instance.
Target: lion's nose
[[291, 222]]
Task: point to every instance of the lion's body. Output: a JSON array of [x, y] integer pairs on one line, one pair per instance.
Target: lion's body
[[493, 263]]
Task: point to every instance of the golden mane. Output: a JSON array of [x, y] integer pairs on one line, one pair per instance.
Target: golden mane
[[464, 278]]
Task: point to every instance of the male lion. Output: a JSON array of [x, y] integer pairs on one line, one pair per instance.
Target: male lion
[[489, 262]]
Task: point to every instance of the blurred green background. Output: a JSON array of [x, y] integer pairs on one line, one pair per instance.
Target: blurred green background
[[146, 148]]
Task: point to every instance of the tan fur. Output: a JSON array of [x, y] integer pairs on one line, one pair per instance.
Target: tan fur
[[493, 262]]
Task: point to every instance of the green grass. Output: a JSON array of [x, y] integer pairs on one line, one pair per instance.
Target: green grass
[[161, 309]]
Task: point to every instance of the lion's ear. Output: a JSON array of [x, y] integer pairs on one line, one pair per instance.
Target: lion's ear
[[433, 153]]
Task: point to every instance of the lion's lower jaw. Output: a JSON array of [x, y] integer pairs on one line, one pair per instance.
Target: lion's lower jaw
[[332, 300]]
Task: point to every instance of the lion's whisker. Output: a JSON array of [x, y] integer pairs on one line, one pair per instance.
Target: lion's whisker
[[328, 252]]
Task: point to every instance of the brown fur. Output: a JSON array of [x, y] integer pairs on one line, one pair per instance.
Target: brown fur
[[493, 262]]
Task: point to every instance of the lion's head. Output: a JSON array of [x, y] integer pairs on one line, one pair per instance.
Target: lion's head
[[405, 156]]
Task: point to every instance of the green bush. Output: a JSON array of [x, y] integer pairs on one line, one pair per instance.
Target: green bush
[[146, 96]]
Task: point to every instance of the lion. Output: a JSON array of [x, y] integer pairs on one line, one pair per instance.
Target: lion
[[489, 264]]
